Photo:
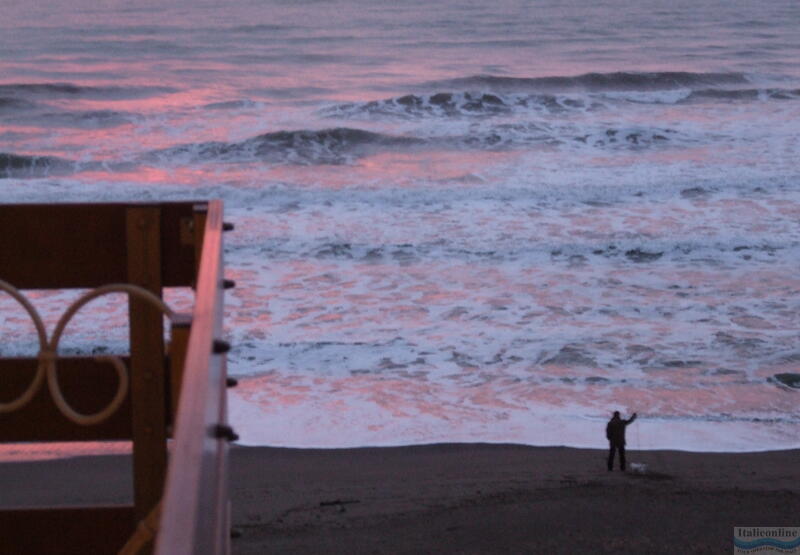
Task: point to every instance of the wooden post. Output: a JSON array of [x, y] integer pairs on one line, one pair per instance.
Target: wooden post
[[200, 215], [179, 342], [148, 373], [223, 508]]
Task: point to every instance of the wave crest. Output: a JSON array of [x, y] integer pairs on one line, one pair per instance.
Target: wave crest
[[596, 82], [20, 165], [706, 95], [327, 146], [463, 104]]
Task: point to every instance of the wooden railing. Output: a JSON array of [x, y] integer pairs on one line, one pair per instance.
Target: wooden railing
[[195, 508], [178, 389]]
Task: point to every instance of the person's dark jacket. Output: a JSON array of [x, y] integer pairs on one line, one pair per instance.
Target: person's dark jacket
[[615, 430]]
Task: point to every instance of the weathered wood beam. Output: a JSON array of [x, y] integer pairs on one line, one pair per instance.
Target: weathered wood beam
[[62, 246], [148, 372]]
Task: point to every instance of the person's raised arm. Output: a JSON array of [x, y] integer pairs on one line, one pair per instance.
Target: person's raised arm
[[631, 419]]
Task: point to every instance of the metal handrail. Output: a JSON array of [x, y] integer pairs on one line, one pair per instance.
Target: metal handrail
[[195, 503]]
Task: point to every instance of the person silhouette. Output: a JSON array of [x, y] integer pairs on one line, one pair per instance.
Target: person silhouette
[[615, 433]]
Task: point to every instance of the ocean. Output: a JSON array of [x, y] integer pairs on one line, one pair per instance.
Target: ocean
[[455, 220]]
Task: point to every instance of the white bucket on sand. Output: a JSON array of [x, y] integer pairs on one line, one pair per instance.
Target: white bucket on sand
[[639, 468]]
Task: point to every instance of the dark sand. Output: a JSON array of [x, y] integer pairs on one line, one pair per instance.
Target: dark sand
[[463, 498]]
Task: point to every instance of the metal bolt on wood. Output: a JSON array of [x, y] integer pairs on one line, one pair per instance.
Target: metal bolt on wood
[[221, 347], [223, 431]]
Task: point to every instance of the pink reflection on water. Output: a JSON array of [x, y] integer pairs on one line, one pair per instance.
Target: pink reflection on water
[[148, 175], [487, 410], [397, 168]]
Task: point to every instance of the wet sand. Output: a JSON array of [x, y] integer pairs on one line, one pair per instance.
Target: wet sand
[[463, 498]]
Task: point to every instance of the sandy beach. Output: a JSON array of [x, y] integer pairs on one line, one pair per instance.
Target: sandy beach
[[462, 498]]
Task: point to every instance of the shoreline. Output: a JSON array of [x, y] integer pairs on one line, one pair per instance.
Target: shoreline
[[279, 412], [13, 453], [465, 498]]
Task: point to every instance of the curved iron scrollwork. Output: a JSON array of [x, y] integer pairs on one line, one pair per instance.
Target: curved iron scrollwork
[[48, 352]]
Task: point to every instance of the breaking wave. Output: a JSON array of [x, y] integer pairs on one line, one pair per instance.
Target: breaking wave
[[596, 82], [336, 146], [17, 165], [327, 146], [706, 95], [346, 145], [463, 104], [489, 104]]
